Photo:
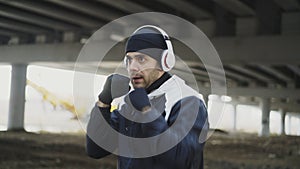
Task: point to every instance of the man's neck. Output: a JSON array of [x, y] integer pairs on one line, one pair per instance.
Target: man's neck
[[156, 84]]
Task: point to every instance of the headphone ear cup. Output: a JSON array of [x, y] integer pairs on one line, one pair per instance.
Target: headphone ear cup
[[167, 61]]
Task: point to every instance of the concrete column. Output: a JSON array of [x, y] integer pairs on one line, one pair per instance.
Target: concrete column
[[298, 125], [17, 97], [265, 107], [234, 116], [282, 113], [289, 129]]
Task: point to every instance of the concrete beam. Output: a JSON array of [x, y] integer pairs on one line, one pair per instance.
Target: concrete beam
[[28, 28], [251, 73], [187, 8], [288, 5], [295, 69], [66, 52], [259, 92], [39, 7], [277, 105], [288, 107], [265, 92], [126, 6], [9, 33], [269, 50], [237, 7], [275, 73], [229, 74], [34, 19], [88, 8], [290, 93]]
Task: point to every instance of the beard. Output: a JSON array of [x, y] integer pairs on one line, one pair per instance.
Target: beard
[[145, 78]]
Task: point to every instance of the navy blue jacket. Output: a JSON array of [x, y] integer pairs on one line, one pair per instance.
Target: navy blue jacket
[[187, 154]]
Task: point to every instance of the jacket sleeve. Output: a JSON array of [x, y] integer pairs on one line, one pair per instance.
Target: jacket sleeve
[[188, 153], [92, 149]]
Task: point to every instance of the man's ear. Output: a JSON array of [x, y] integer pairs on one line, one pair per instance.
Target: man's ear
[[158, 66]]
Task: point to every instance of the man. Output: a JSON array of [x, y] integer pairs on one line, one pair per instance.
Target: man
[[160, 108]]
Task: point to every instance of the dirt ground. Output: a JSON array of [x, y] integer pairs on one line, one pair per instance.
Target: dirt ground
[[21, 150]]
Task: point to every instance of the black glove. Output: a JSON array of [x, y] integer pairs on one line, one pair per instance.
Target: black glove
[[139, 99], [115, 86]]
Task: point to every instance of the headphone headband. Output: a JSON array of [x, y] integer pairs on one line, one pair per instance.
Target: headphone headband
[[167, 57], [163, 33]]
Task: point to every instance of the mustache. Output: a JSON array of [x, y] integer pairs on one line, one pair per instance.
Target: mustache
[[140, 72], [136, 74]]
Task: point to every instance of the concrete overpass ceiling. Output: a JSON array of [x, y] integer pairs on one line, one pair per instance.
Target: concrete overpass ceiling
[[288, 5], [33, 18], [236, 7], [258, 41], [57, 12]]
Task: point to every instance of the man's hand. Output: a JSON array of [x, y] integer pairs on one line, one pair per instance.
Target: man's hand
[[139, 99], [115, 86]]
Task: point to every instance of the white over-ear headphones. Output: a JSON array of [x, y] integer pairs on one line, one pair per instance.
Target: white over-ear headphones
[[167, 56]]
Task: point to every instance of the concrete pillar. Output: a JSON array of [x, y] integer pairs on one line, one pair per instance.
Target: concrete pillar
[[265, 107], [17, 97], [234, 116], [298, 133], [289, 129], [282, 113]]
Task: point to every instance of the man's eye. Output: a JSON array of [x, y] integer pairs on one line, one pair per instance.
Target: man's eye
[[141, 59]]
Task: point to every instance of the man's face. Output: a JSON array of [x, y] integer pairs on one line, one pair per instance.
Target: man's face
[[143, 69]]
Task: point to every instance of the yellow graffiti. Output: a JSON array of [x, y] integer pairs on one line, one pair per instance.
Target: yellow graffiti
[[56, 101]]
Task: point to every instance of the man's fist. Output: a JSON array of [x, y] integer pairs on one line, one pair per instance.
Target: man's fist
[[139, 99], [115, 86]]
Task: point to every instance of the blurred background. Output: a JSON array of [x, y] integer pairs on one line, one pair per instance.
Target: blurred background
[[257, 42], [49, 106]]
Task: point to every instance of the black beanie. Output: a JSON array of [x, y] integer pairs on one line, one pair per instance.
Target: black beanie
[[148, 41]]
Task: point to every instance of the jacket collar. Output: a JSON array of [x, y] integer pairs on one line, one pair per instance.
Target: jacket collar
[[155, 85]]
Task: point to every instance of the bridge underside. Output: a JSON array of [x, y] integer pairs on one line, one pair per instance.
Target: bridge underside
[[257, 42]]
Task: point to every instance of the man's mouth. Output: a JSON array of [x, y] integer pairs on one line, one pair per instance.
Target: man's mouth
[[137, 79]]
